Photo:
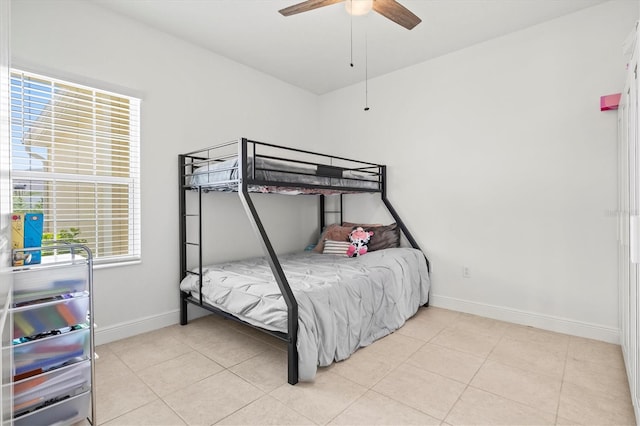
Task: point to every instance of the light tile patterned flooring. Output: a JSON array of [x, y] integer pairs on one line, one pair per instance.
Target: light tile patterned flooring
[[442, 367]]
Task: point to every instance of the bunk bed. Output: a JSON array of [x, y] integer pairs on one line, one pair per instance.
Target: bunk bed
[[323, 306]]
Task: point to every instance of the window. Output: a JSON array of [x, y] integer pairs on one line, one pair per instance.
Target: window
[[75, 158]]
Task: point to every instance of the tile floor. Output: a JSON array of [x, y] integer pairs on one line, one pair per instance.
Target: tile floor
[[441, 368]]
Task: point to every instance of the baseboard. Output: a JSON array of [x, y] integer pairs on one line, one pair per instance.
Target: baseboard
[[126, 329], [546, 322], [533, 319]]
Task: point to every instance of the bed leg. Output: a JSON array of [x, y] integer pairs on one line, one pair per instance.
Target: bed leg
[[183, 309], [292, 362]]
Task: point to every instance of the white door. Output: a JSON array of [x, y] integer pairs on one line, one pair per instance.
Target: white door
[[634, 283]]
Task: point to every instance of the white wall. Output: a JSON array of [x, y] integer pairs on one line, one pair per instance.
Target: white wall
[[191, 99], [500, 160]]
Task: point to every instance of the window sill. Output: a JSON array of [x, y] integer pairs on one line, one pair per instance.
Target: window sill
[[116, 264], [97, 263]]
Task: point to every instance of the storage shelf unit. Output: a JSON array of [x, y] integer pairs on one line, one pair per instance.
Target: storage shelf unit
[[52, 348]]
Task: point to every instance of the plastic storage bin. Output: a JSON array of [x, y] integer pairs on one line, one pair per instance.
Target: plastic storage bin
[[51, 352], [41, 318], [49, 388], [41, 283], [64, 412]]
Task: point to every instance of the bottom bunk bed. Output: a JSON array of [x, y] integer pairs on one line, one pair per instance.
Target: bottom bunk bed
[[343, 302]]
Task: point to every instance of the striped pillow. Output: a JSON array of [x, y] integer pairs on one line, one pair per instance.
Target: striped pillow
[[335, 247]]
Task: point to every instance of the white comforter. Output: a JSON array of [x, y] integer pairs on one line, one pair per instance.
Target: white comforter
[[343, 303]]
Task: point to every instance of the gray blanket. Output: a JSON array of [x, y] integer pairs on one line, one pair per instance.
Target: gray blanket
[[343, 303]]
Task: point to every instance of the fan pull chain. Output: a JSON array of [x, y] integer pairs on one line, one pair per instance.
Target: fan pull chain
[[366, 70], [351, 23]]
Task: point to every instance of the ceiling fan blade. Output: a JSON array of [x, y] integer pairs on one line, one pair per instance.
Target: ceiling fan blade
[[306, 6], [396, 12]]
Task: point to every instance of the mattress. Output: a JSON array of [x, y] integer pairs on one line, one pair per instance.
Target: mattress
[[216, 174], [343, 303]]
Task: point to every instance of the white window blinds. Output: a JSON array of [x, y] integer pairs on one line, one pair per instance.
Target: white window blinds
[[75, 158]]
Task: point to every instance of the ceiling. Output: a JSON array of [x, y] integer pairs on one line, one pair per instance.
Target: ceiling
[[313, 50]]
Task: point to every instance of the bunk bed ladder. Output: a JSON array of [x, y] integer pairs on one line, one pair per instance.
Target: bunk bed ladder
[[276, 268], [183, 237]]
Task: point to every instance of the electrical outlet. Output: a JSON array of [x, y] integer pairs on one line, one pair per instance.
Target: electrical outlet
[[466, 272]]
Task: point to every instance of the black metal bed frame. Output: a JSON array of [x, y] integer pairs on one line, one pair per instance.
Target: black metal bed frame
[[373, 175]]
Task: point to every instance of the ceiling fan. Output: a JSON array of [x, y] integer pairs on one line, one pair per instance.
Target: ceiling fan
[[390, 9]]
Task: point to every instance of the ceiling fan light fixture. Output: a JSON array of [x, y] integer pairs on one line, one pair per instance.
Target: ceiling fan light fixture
[[358, 7]]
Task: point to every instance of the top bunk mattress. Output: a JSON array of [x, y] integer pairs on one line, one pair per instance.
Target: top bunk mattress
[[280, 173], [343, 303]]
